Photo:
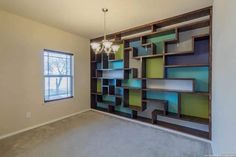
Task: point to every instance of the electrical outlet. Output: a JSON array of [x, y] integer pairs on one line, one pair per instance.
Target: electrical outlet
[[28, 114]]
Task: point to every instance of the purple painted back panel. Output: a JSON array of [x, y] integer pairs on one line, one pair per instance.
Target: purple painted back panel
[[200, 56]]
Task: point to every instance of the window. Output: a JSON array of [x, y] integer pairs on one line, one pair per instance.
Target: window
[[58, 75]]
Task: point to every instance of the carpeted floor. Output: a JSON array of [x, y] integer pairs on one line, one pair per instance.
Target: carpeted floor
[[92, 134]]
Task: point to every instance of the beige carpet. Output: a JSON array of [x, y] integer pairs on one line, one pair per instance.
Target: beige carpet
[[92, 134]]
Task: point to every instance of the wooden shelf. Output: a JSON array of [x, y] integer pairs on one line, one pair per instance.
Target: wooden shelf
[[96, 93], [136, 108], [115, 60], [179, 53], [108, 78], [108, 103], [155, 100], [132, 88], [148, 56], [167, 90], [187, 65], [184, 117], [115, 69], [115, 95], [191, 79]]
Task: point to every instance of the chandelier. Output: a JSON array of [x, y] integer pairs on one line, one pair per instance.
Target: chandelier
[[106, 45]]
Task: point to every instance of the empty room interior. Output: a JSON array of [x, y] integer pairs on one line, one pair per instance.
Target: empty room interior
[[117, 78]]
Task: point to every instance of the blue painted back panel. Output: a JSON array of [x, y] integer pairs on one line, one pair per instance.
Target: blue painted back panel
[[116, 65]]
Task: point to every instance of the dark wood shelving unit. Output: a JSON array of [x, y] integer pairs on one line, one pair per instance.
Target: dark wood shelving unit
[[166, 65]]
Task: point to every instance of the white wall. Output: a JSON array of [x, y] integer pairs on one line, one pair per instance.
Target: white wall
[[21, 72], [224, 77]]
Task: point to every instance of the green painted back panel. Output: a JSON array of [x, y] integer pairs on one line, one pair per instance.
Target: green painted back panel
[[120, 53], [99, 85], [194, 105], [154, 68], [135, 98], [159, 41]]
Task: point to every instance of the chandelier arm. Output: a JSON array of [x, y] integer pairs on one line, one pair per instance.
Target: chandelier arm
[[104, 25]]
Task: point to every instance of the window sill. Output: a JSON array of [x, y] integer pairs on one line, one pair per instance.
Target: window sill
[[47, 101]]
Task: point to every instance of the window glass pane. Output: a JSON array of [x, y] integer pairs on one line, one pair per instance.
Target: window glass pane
[[57, 87], [57, 76]]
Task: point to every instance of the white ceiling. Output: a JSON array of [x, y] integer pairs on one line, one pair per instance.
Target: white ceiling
[[84, 17]]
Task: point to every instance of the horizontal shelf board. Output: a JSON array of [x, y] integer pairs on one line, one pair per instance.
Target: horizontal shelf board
[[132, 88], [136, 108], [129, 48], [108, 78], [187, 65], [202, 37], [201, 93], [96, 93], [192, 79], [113, 95], [104, 85], [184, 129], [179, 53], [194, 25], [155, 100], [167, 90], [115, 69], [186, 118], [107, 103], [160, 32], [148, 56], [115, 60]]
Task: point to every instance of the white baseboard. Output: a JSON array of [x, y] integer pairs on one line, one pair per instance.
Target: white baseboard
[[38, 125], [154, 126]]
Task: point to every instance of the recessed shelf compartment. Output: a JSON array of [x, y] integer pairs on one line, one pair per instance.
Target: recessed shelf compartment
[[185, 85], [123, 73], [200, 55]]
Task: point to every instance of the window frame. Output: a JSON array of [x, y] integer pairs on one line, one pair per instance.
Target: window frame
[[50, 76]]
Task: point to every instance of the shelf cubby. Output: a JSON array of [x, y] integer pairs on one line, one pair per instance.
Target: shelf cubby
[[176, 85], [153, 68], [198, 56]]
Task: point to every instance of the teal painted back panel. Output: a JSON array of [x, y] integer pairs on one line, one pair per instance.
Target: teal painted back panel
[[171, 97], [99, 65], [102, 105], [111, 82], [116, 65], [132, 83], [141, 50], [201, 74], [158, 40], [108, 98], [123, 109]]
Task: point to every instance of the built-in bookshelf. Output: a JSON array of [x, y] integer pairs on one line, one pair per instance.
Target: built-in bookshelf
[[161, 74]]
